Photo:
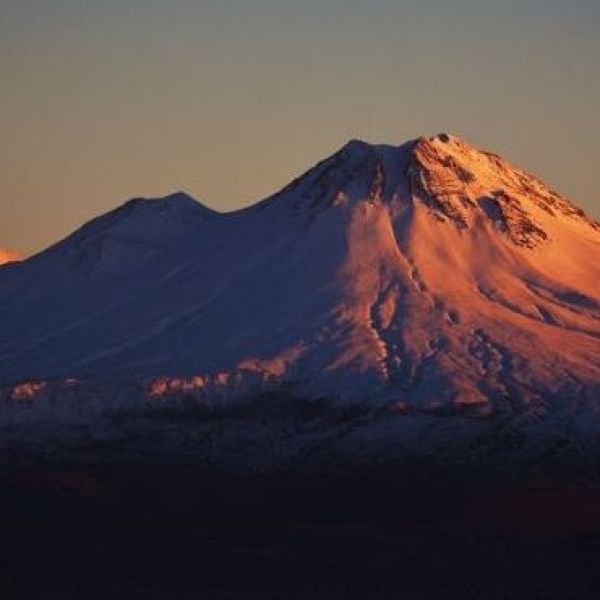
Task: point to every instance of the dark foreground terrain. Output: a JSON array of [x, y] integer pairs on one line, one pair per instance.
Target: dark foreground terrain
[[170, 530]]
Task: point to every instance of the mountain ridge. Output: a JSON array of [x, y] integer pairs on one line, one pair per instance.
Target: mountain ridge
[[442, 279]]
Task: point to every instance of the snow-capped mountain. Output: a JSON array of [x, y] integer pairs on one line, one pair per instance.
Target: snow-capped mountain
[[430, 276]]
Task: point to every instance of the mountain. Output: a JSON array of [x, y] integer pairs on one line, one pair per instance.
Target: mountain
[[8, 256], [430, 278], [387, 375]]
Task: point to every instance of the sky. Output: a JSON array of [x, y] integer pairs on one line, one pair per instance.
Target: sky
[[231, 99]]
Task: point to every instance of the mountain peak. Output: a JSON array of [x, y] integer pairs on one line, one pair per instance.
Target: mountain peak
[[457, 182], [177, 201], [357, 144], [141, 229], [142, 217], [460, 181]]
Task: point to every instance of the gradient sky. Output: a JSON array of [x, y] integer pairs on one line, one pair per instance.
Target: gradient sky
[[230, 99]]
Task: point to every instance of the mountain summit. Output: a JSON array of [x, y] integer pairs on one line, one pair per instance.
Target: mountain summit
[[458, 182], [430, 276]]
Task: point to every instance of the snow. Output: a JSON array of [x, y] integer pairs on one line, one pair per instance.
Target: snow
[[431, 275]]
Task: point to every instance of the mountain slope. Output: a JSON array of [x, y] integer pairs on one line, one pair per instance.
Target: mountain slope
[[429, 276]]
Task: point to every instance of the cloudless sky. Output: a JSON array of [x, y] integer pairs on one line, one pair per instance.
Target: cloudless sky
[[230, 99]]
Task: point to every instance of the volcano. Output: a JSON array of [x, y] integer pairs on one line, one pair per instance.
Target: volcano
[[426, 278], [387, 373]]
